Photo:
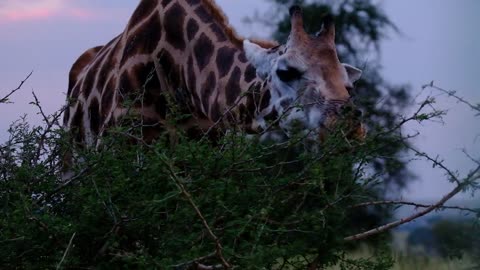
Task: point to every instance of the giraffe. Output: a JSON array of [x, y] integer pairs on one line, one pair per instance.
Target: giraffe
[[187, 49]]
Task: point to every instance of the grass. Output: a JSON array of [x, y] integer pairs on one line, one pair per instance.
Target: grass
[[411, 261]]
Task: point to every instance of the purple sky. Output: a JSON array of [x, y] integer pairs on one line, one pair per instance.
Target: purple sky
[[440, 42]]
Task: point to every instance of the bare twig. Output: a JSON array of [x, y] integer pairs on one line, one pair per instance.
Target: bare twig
[[454, 95], [59, 266], [418, 205], [184, 191], [418, 115], [50, 123], [467, 181], [461, 185], [62, 186], [195, 261], [477, 161], [436, 162], [179, 182], [13, 240], [209, 267], [5, 99]]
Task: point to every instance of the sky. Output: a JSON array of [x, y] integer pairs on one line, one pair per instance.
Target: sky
[[439, 41]]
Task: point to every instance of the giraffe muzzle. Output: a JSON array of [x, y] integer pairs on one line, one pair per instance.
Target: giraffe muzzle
[[347, 122]]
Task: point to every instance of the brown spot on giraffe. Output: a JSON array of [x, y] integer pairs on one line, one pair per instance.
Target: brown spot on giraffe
[[232, 88], [94, 116], [174, 20], [250, 73], [144, 39], [215, 113], [145, 84], [203, 14], [218, 31], [90, 78], [78, 67], [78, 124], [224, 60], [203, 51], [191, 75], [242, 57], [165, 3], [126, 87], [170, 69], [207, 89], [272, 115], [192, 29], [192, 2], [104, 72], [144, 9], [106, 101], [265, 100]]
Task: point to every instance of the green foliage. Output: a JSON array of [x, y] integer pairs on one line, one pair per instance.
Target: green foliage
[[457, 238], [410, 262], [133, 205]]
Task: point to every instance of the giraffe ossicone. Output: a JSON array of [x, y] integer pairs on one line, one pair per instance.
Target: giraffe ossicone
[[186, 50]]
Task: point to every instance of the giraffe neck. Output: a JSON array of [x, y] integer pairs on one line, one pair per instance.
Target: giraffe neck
[[183, 48], [197, 55]]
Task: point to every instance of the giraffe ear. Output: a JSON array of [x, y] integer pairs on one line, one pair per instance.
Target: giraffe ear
[[353, 73], [258, 57]]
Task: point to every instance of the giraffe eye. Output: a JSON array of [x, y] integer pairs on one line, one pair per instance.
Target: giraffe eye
[[288, 75]]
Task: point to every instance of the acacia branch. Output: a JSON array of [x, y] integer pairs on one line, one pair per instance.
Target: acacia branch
[[208, 267], [454, 95], [418, 115], [417, 205], [198, 263], [179, 183], [70, 180], [468, 181], [5, 98], [436, 162], [59, 266], [187, 195], [49, 124]]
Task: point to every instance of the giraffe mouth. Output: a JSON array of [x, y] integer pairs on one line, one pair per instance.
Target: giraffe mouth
[[347, 127], [319, 120]]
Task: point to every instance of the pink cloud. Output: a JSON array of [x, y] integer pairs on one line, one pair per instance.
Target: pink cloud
[[13, 11], [21, 15]]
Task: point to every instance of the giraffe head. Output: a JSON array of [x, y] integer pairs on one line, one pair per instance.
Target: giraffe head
[[308, 85]]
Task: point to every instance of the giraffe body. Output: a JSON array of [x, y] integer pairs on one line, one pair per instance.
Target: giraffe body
[[186, 49]]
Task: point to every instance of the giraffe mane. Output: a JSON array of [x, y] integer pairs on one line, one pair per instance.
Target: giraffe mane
[[221, 18]]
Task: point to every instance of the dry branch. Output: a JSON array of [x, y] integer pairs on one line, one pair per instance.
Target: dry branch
[[218, 245], [454, 95], [417, 205], [59, 266], [462, 184], [5, 99]]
